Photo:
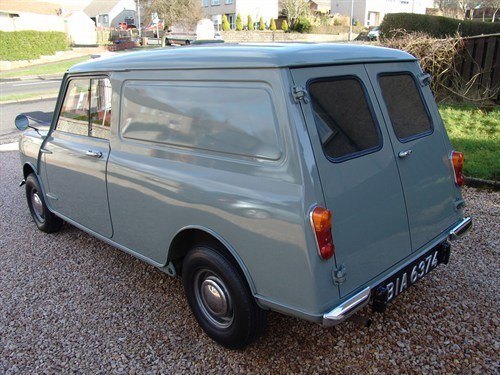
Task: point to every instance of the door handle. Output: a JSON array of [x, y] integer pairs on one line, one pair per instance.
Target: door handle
[[94, 154], [45, 151], [404, 154]]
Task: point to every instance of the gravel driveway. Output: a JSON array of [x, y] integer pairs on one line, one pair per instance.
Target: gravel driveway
[[69, 302]]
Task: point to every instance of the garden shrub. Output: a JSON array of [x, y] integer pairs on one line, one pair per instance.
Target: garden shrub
[[225, 23], [284, 26], [250, 23], [436, 26], [239, 23], [303, 25], [262, 25], [30, 44], [272, 27]]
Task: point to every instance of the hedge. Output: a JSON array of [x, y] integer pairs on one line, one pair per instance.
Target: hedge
[[436, 26], [30, 44]]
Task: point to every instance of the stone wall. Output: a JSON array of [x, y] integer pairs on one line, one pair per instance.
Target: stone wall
[[280, 36]]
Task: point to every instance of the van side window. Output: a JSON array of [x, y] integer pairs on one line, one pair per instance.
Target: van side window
[[86, 108], [236, 119], [407, 112], [343, 118], [100, 108], [74, 117]]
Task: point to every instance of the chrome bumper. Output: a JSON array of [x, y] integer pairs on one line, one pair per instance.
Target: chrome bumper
[[459, 230], [347, 308]]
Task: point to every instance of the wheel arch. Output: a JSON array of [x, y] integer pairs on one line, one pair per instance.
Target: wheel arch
[[187, 237], [29, 168]]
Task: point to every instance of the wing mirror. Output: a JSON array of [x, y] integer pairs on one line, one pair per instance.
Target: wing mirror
[[22, 122]]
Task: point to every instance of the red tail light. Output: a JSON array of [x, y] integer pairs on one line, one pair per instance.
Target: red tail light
[[321, 222], [457, 160]]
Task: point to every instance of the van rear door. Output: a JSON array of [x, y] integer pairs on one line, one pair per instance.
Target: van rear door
[[358, 171], [420, 146]]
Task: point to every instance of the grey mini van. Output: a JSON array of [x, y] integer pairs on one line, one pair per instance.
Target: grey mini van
[[311, 180]]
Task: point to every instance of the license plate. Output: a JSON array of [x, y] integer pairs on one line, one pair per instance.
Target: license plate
[[396, 284]]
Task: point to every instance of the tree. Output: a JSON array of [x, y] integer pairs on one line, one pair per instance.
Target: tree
[[225, 24], [250, 23], [262, 25], [272, 27], [284, 25], [239, 23], [182, 13], [495, 7], [293, 10]]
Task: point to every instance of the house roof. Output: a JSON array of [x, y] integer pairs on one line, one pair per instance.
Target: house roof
[[100, 7], [243, 56], [29, 6]]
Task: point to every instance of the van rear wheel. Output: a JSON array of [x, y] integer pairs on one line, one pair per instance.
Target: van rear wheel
[[220, 299]]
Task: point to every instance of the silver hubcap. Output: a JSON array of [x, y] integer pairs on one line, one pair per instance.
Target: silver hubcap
[[213, 299], [37, 204]]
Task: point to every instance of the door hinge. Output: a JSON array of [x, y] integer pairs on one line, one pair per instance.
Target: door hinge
[[425, 79], [339, 274], [300, 93]]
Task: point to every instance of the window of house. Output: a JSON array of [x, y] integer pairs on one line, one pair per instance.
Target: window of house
[[204, 3], [229, 1], [409, 117], [215, 2], [86, 108], [343, 118]]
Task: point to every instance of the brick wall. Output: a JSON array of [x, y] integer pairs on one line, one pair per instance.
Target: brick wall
[[280, 36]]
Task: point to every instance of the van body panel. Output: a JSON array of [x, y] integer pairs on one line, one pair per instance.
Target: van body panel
[[256, 204], [370, 226], [425, 174]]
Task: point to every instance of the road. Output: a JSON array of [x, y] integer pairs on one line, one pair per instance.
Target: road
[[40, 110], [30, 86]]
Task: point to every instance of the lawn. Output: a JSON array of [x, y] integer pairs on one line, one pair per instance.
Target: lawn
[[49, 68], [476, 133]]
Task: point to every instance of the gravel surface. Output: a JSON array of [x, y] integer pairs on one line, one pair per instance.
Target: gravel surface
[[70, 303]]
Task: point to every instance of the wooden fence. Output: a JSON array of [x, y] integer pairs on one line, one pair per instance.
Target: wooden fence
[[480, 61]]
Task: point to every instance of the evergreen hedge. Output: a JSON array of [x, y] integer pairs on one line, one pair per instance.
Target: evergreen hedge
[[436, 26], [30, 44]]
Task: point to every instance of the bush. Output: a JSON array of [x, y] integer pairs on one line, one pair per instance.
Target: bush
[[239, 23], [250, 23], [225, 24], [262, 25], [284, 26], [272, 27], [436, 26], [303, 25], [30, 44]]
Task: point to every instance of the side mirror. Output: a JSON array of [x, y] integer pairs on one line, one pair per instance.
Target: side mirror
[[22, 122]]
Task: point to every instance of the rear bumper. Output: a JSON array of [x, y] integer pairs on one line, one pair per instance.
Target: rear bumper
[[362, 298]]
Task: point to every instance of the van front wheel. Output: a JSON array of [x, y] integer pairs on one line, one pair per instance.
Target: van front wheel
[[45, 220], [220, 299]]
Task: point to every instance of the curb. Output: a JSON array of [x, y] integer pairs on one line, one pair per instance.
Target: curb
[[480, 183], [42, 77], [32, 99]]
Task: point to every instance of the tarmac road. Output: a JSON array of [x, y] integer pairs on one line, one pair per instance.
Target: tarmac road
[[36, 85]]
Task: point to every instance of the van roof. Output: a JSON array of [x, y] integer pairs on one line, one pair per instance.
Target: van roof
[[273, 55]]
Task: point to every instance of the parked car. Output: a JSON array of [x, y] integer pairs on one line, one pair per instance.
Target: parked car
[[307, 179], [374, 33]]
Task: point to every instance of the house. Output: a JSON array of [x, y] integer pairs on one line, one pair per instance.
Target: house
[[320, 6], [215, 9], [110, 13], [17, 15], [372, 12], [80, 28]]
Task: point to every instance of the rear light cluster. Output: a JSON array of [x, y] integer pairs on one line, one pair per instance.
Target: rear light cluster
[[457, 160], [321, 222]]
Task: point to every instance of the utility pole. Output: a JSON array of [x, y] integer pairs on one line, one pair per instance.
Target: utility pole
[[351, 20], [139, 17]]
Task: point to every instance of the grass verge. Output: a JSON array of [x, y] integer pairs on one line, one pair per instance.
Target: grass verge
[[42, 69], [475, 132], [26, 96]]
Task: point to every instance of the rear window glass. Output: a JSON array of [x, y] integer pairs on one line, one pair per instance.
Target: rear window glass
[[343, 118], [233, 120], [408, 115]]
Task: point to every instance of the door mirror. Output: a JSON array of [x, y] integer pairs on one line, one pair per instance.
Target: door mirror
[[22, 122]]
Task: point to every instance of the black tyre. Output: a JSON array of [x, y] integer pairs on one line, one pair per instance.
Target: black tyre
[[220, 299], [45, 220]]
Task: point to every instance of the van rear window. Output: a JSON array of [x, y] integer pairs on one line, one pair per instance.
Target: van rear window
[[343, 118], [407, 112], [234, 120]]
